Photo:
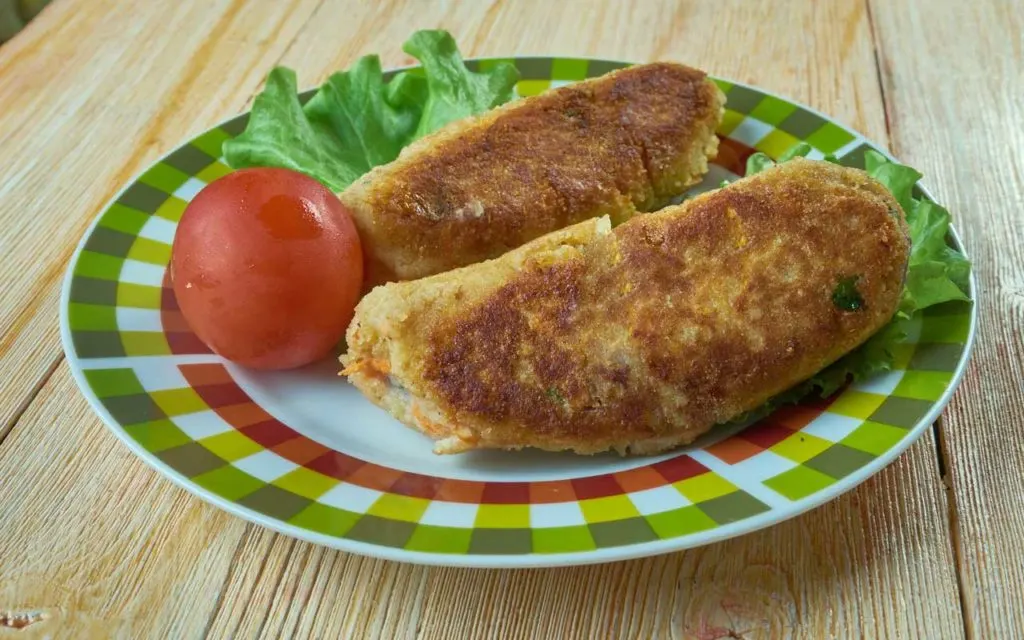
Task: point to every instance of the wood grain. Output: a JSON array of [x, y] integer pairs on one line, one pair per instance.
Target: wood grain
[[954, 83], [74, 131], [93, 540], [105, 547]]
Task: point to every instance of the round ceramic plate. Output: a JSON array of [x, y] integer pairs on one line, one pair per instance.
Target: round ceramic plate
[[304, 453]]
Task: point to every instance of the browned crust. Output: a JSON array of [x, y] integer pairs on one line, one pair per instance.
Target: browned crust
[[625, 142], [645, 337]]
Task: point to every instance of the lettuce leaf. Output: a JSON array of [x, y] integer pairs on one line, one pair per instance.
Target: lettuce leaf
[[453, 91], [356, 120], [936, 273]]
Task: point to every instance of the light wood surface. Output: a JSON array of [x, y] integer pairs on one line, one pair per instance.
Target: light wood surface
[[958, 118], [94, 544]]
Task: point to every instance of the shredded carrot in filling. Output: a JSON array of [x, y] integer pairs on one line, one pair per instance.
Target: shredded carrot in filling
[[425, 423], [369, 366]]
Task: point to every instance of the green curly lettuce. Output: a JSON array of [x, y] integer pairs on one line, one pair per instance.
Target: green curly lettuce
[[356, 121]]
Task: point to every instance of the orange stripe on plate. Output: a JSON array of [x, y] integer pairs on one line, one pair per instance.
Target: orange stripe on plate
[[552, 491], [733, 450]]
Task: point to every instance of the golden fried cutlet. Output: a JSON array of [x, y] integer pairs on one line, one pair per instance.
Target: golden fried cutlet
[[625, 142], [640, 338]]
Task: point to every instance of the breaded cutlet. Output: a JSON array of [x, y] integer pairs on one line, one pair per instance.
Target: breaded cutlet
[[625, 142], [642, 337]]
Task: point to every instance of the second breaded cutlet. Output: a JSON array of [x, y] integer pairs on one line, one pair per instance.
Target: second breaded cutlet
[[639, 338], [625, 142]]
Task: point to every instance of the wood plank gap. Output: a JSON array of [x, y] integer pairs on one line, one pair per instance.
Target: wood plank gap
[[263, 81], [939, 456], [878, 75], [8, 427], [941, 453], [952, 510]]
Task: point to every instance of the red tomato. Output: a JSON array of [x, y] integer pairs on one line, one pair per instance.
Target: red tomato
[[267, 268]]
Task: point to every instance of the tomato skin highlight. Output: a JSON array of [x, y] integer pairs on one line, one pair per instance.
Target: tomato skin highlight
[[267, 268]]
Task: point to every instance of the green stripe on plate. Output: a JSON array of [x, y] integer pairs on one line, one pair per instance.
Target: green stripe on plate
[[742, 99], [145, 343], [501, 541], [306, 483], [569, 69], [936, 356], [491, 63], [235, 126], [799, 482], [231, 445], [93, 291], [901, 412], [164, 177], [139, 296], [381, 531], [951, 329], [142, 197], [527, 88], [830, 138], [189, 159], [563, 539], [97, 344], [151, 251], [619, 532], [534, 69], [177, 402], [214, 171], [874, 438], [110, 383], [228, 482], [124, 219], [680, 522], [91, 317], [839, 460], [325, 519], [133, 409], [732, 507], [435, 539], [171, 209], [803, 124], [618, 507], [98, 266], [772, 110], [601, 67], [110, 242], [498, 516], [923, 385], [210, 142], [276, 503], [158, 435]]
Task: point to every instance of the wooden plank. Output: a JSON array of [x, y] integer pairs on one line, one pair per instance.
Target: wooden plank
[[91, 93], [854, 567], [953, 83], [96, 542]]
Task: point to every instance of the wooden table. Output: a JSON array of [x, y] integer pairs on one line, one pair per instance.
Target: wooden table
[[94, 543]]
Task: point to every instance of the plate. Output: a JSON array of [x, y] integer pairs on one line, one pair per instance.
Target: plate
[[303, 453]]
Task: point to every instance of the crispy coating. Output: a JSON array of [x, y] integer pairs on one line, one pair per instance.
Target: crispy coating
[[641, 338], [625, 142]]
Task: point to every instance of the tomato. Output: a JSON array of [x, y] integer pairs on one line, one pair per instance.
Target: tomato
[[267, 268]]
